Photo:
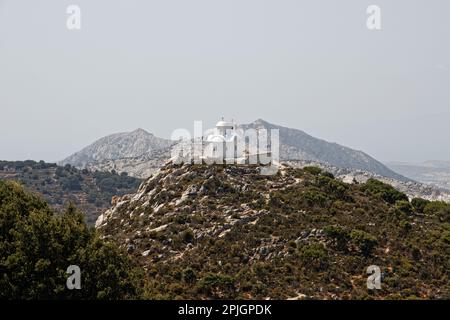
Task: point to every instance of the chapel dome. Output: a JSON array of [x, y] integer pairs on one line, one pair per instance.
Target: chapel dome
[[224, 124]]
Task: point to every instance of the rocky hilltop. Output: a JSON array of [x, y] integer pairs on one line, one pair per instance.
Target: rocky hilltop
[[228, 232]]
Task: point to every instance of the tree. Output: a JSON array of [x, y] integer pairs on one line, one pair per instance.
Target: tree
[[419, 204], [187, 236], [37, 247], [404, 206], [189, 276], [439, 209], [314, 256]]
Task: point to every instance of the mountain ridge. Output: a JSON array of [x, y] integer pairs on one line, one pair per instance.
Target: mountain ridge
[[295, 144], [432, 172], [121, 145]]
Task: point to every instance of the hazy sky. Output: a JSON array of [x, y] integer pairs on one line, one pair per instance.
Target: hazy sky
[[161, 64]]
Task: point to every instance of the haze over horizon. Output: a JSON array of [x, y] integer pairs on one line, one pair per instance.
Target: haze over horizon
[[161, 65]]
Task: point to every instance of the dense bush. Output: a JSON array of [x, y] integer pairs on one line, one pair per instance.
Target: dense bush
[[313, 170], [404, 206], [37, 247], [339, 234], [314, 256], [419, 204], [71, 183], [365, 241], [439, 209], [217, 285], [384, 191]]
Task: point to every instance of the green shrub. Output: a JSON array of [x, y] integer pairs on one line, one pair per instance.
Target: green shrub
[[189, 276], [439, 209], [339, 234], [384, 191], [187, 236], [419, 204], [313, 170], [217, 285], [404, 206], [314, 256], [314, 197], [365, 241], [446, 237]]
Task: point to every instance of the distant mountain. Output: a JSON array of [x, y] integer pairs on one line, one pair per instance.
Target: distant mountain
[[297, 145], [436, 173], [90, 191], [140, 153], [135, 152], [133, 144]]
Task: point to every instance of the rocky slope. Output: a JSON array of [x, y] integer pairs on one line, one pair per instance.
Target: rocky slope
[[228, 232]]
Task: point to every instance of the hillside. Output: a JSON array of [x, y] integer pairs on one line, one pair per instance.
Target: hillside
[[411, 188], [89, 191], [227, 232], [140, 153]]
